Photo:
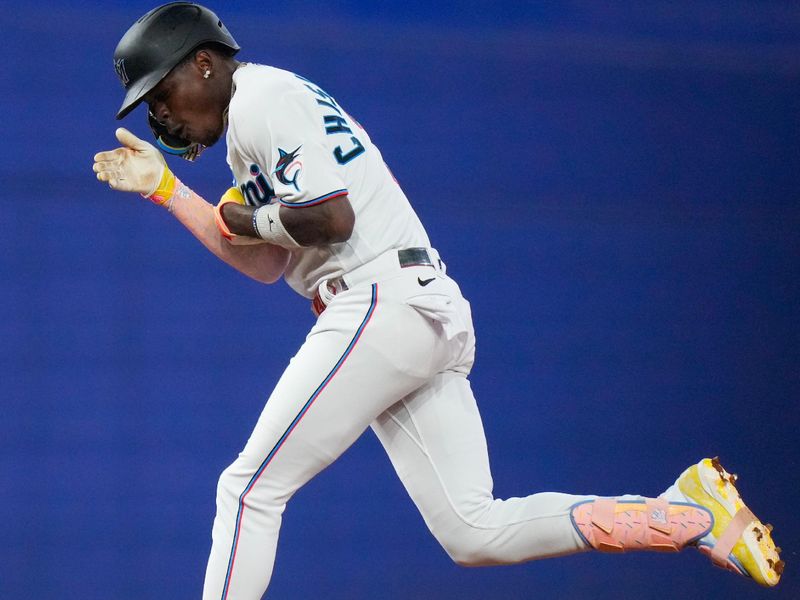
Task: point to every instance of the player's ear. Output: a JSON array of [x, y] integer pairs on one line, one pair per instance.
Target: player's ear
[[204, 63]]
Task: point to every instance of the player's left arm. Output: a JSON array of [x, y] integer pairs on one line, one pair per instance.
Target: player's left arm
[[328, 223]]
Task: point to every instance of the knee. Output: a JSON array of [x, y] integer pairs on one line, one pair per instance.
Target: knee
[[238, 477], [239, 484], [229, 484], [467, 549]]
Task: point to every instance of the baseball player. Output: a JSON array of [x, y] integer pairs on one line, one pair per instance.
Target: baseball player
[[315, 204]]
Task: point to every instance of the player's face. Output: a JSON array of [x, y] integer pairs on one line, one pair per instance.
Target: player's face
[[186, 104]]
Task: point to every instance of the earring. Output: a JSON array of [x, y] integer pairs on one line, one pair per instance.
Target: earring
[[207, 74]]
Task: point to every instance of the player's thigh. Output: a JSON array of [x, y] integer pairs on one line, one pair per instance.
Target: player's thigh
[[435, 440], [365, 352]]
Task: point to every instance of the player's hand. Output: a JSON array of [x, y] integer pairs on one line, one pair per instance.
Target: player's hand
[[136, 167]]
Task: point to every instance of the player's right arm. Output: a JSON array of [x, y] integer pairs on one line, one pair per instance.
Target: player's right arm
[[139, 167]]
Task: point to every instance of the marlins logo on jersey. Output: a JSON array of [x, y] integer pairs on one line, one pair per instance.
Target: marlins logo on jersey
[[288, 168]]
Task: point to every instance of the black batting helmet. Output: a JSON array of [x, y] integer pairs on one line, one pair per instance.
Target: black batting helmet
[[158, 41]]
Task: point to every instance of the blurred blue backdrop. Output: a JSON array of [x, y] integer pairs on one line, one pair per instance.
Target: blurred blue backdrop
[[633, 276]]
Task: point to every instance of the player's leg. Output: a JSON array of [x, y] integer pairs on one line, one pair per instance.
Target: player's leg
[[435, 440], [436, 443], [351, 367]]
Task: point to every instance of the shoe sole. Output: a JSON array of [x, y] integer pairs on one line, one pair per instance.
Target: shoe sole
[[754, 554]]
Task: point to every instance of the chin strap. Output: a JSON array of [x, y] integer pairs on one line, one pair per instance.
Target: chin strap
[[190, 152], [171, 144]]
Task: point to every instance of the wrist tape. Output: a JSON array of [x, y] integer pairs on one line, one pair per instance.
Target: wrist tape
[[269, 227], [164, 190]]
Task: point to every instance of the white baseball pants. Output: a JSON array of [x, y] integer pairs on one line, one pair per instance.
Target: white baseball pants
[[393, 355]]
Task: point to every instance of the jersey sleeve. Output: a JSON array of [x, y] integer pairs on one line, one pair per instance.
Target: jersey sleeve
[[249, 133], [303, 169]]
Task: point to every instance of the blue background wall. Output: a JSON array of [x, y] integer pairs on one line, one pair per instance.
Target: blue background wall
[[633, 275]]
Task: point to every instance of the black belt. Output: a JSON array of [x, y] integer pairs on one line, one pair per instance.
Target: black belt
[[407, 257]]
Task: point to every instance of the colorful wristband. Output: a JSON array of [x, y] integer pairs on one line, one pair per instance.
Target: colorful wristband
[[164, 189]]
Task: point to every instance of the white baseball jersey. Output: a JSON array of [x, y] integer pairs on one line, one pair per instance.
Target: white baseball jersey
[[290, 142]]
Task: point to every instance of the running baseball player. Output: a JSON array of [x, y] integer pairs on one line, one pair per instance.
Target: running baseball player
[[392, 348]]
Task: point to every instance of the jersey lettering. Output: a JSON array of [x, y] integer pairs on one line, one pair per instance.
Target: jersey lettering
[[342, 158], [319, 92], [257, 191], [329, 104], [335, 124]]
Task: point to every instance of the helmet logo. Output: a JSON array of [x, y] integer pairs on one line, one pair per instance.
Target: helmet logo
[[119, 67]]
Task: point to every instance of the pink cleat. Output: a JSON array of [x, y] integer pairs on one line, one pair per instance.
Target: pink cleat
[[613, 525]]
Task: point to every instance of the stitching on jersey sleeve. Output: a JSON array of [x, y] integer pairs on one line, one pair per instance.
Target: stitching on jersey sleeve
[[315, 201]]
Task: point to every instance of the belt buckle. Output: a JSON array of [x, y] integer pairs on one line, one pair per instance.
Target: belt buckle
[[414, 257]]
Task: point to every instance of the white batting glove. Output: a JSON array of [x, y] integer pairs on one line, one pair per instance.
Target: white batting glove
[[136, 167]]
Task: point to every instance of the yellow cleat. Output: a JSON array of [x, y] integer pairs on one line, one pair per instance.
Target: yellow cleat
[[738, 540]]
